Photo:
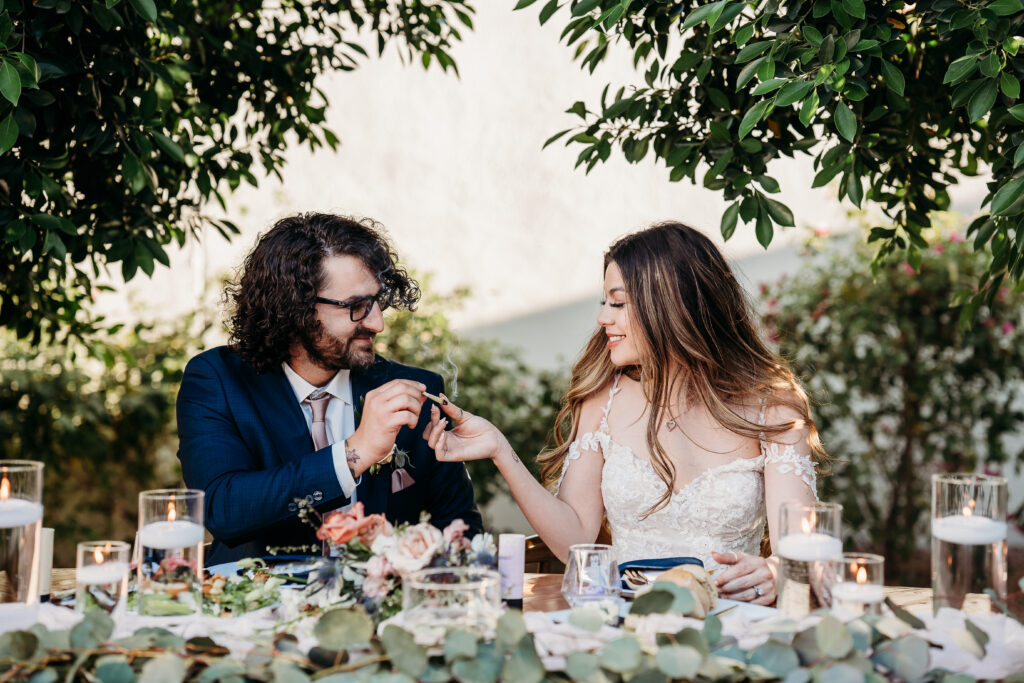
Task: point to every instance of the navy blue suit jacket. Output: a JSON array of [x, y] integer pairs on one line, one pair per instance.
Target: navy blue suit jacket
[[244, 441]]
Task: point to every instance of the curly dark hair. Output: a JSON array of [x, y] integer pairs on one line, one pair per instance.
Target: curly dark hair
[[272, 302]]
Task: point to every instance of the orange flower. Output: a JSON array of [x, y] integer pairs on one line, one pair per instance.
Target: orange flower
[[374, 526], [339, 527]]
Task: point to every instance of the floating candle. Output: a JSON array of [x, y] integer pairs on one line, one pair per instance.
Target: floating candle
[[865, 593], [167, 535], [809, 547], [968, 529], [15, 512], [102, 574]]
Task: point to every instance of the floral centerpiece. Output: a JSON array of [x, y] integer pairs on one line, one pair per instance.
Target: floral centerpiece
[[369, 557]]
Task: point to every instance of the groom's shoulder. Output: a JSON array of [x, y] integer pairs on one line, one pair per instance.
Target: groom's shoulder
[[385, 370]]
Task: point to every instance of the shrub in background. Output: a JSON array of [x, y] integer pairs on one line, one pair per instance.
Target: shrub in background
[[483, 377], [102, 422], [903, 389]]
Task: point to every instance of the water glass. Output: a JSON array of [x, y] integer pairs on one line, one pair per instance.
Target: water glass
[[21, 523], [968, 537], [809, 548], [101, 576], [858, 587], [439, 599], [170, 569], [591, 576]]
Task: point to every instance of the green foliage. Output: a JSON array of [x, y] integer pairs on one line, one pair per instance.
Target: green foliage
[[154, 655], [904, 390], [119, 121], [482, 377], [892, 99], [104, 428]]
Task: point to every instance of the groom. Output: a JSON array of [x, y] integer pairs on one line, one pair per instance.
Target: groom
[[299, 407]]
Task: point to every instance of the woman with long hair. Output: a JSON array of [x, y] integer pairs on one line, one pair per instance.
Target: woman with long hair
[[680, 426]]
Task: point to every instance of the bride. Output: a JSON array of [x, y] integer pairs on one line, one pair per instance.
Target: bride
[[679, 425]]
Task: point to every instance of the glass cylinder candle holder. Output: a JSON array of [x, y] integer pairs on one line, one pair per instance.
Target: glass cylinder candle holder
[[101, 576], [439, 599], [591, 577], [170, 557], [968, 537], [21, 523], [858, 588], [809, 547]]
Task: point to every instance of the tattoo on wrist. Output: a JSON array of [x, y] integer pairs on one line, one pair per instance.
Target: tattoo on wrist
[[351, 456]]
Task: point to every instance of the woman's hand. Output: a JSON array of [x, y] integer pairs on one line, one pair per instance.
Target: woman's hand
[[748, 578], [472, 438]]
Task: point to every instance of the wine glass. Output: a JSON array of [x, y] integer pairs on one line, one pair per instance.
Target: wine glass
[[591, 575]]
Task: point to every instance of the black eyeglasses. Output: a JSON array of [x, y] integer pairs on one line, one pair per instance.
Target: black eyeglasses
[[359, 308]]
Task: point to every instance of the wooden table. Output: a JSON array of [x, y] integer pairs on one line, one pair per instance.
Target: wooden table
[[543, 593]]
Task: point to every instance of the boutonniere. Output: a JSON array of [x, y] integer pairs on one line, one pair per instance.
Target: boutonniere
[[397, 458]]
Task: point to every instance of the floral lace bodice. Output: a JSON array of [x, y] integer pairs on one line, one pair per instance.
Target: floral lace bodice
[[722, 509]]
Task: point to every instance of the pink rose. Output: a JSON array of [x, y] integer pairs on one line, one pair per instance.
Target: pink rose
[[1008, 327], [376, 588], [374, 526], [415, 548], [378, 567], [339, 527]]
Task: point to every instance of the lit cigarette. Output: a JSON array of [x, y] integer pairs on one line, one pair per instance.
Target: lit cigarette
[[436, 399]]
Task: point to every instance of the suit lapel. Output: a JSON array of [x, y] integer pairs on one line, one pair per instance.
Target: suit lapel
[[278, 408]]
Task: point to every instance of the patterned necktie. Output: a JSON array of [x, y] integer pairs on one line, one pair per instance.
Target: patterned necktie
[[319, 405]]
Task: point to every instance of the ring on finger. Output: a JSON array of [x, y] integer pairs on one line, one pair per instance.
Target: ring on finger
[[757, 591]]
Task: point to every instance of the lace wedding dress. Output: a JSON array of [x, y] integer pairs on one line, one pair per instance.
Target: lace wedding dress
[[722, 509]]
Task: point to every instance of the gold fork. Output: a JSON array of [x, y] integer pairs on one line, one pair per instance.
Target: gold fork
[[636, 577]]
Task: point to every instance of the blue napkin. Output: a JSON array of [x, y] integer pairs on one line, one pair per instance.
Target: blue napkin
[[659, 564]]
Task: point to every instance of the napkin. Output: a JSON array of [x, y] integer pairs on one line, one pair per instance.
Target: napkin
[[659, 564]]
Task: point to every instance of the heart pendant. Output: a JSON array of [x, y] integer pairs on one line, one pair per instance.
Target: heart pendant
[[671, 424]]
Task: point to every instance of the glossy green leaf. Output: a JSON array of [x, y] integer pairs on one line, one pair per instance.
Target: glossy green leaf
[[845, 122], [792, 92], [1006, 7], [960, 69], [169, 146], [8, 133], [1017, 112], [751, 118], [1006, 196], [768, 86], [809, 108], [145, 8], [779, 212], [10, 82], [748, 72], [893, 78], [584, 6], [1009, 85], [763, 229], [524, 3], [982, 100], [702, 13], [854, 8], [729, 220], [547, 11]]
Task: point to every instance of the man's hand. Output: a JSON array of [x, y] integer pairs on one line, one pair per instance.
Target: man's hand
[[473, 437], [386, 410]]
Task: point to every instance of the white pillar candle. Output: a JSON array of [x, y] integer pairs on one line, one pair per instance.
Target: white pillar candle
[[864, 593], [809, 547], [45, 560], [511, 562], [101, 574], [968, 529], [167, 535], [16, 512]]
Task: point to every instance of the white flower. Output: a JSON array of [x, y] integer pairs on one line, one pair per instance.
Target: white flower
[[484, 542], [414, 548]]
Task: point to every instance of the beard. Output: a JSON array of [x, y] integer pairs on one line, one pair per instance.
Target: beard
[[332, 352]]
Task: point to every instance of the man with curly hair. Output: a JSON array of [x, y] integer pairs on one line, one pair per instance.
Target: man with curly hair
[[299, 407]]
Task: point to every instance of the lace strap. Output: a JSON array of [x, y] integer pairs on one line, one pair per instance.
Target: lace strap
[[590, 441], [608, 406]]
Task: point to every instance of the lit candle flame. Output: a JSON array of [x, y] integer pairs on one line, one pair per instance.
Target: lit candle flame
[[5, 489], [172, 512], [806, 525], [967, 511], [862, 575], [98, 556]]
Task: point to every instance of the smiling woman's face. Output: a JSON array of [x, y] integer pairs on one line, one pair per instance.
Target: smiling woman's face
[[616, 321]]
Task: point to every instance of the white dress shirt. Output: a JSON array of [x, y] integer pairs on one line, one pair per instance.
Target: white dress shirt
[[340, 417]]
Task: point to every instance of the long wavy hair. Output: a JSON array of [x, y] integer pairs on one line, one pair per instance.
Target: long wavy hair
[[272, 302], [698, 346]]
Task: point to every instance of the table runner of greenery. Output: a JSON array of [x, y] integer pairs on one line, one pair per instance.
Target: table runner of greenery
[[348, 649]]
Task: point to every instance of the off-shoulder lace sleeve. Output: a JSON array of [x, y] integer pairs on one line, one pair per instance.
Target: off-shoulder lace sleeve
[[784, 459], [590, 442]]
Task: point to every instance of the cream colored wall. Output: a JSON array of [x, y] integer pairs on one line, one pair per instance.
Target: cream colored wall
[[453, 167]]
